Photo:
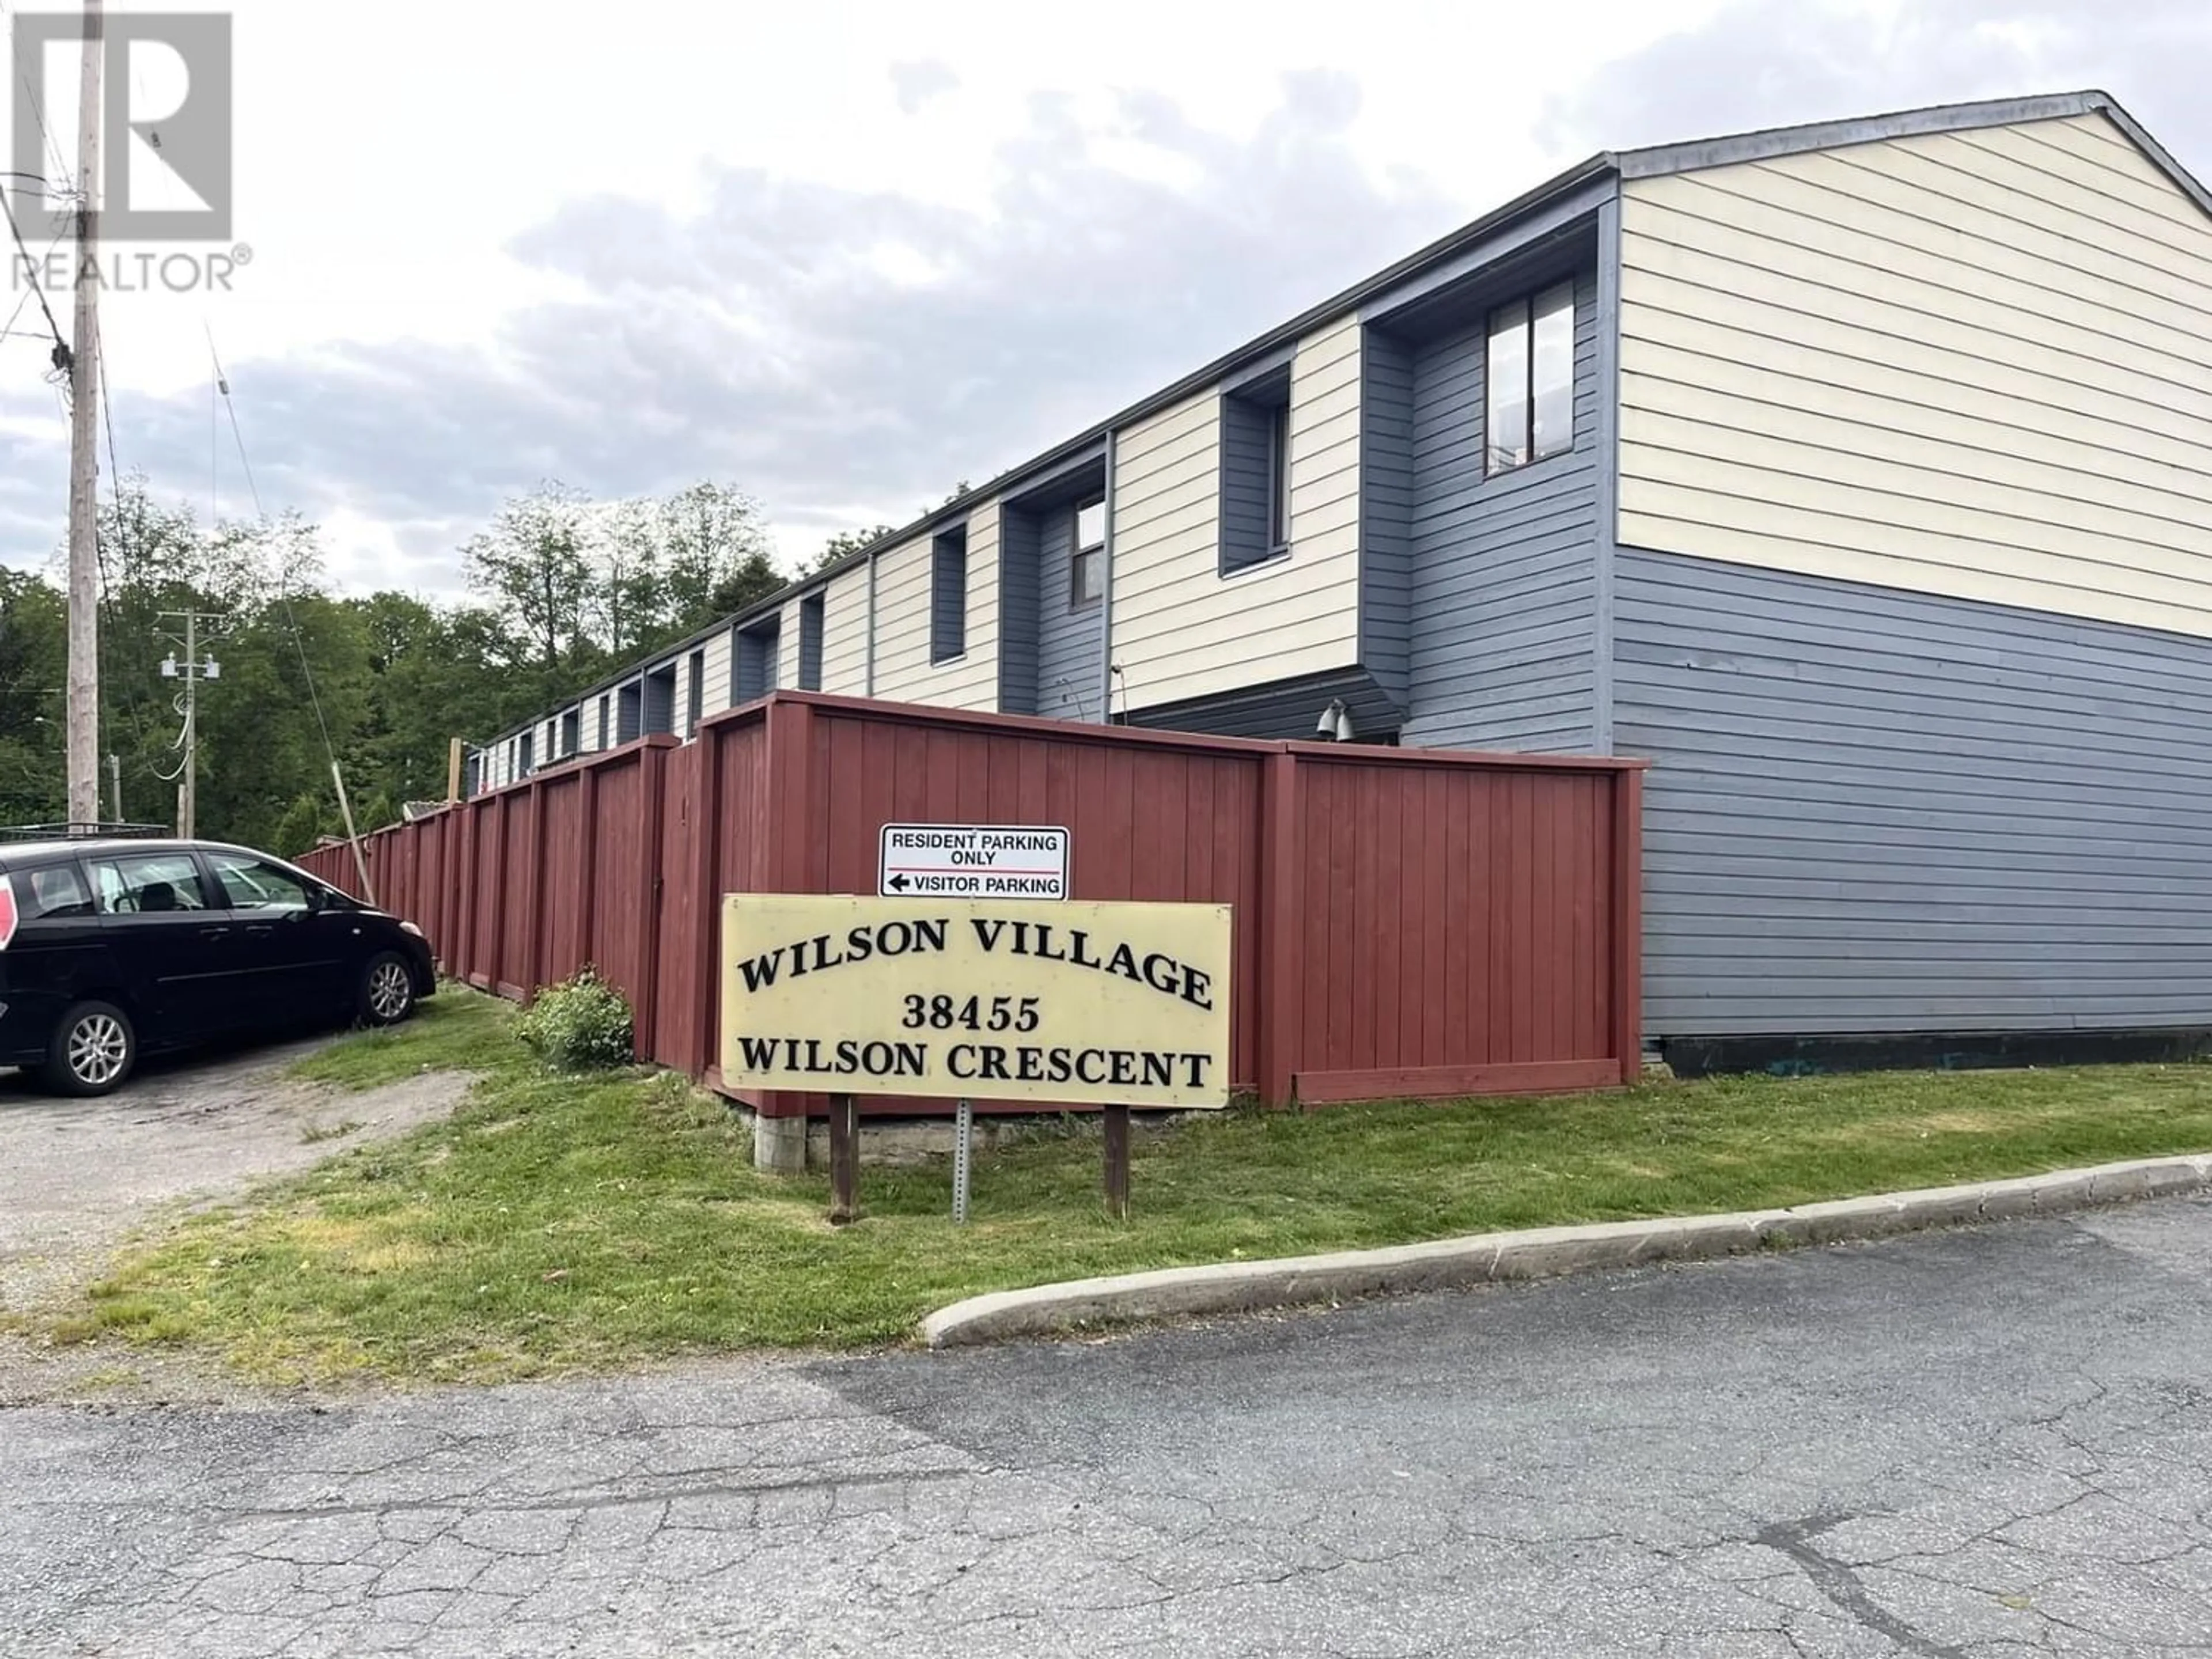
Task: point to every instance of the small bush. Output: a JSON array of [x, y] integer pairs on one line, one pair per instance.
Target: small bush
[[580, 1024]]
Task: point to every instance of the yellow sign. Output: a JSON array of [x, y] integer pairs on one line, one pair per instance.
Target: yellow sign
[[977, 999]]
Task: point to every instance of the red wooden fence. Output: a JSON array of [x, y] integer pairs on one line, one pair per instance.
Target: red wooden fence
[[1409, 922]]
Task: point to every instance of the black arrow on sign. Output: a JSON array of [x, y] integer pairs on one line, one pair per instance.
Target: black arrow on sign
[[898, 884]]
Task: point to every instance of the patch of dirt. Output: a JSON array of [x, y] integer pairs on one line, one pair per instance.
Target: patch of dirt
[[77, 1178]]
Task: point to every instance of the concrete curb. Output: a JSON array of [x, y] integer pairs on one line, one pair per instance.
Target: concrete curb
[[1541, 1252]]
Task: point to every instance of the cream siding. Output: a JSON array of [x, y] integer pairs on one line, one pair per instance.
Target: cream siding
[[1976, 364], [1181, 629], [716, 676], [903, 670], [845, 634], [679, 713], [787, 646]]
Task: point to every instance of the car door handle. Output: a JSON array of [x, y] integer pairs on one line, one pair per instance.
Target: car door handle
[[212, 932]]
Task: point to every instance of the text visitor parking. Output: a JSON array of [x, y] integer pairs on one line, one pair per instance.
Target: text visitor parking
[[939, 861]]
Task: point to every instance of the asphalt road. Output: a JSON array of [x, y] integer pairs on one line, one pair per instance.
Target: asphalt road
[[1984, 1443]]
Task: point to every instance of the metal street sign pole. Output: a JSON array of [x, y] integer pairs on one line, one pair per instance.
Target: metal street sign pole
[[964, 1124]]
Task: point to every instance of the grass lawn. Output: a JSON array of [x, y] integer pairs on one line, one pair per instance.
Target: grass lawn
[[556, 1224]]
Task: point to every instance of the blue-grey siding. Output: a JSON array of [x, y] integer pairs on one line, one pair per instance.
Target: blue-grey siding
[[660, 699], [948, 594], [1070, 672], [810, 642], [1502, 611], [629, 715], [753, 674], [1017, 610], [1386, 509], [1874, 811]]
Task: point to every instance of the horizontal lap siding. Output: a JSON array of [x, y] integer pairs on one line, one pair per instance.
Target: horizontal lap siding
[[1018, 615], [845, 633], [714, 689], [1181, 629], [1977, 365], [788, 644], [904, 672], [1070, 643], [1881, 811], [1503, 614]]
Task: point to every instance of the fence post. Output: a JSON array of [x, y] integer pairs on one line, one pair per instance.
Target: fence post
[[652, 781], [1628, 922], [705, 920], [587, 872], [534, 941], [1281, 917], [785, 863]]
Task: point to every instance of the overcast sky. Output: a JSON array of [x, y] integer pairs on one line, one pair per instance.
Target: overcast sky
[[843, 255]]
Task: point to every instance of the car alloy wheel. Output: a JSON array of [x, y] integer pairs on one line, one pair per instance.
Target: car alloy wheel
[[99, 1050], [391, 991]]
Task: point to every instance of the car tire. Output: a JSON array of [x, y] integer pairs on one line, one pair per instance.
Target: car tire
[[94, 1051], [387, 990]]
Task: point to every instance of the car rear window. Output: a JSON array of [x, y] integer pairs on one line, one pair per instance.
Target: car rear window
[[145, 883], [56, 890]]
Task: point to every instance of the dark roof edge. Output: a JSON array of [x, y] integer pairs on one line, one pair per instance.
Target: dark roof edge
[[1657, 159]]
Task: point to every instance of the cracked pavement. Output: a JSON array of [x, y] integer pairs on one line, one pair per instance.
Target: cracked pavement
[[1988, 1442]]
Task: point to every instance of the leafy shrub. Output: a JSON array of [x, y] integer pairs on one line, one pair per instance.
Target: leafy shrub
[[580, 1024]]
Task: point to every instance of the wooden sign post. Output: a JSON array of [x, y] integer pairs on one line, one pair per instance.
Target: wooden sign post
[[1117, 1161], [1123, 1005]]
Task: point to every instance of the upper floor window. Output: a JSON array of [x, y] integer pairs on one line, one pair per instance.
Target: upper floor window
[[1531, 374], [948, 594], [1255, 472], [810, 642], [1086, 571]]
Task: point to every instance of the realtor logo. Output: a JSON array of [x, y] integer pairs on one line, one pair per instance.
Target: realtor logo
[[165, 120]]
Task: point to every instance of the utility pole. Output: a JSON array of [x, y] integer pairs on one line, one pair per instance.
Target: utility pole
[[193, 671], [83, 699], [115, 787]]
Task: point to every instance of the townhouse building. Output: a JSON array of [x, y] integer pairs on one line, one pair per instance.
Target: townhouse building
[[1860, 474]]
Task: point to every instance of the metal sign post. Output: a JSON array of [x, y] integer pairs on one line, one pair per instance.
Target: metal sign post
[[964, 1124]]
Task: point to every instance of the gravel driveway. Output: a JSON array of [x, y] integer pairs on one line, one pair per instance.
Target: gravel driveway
[[76, 1177]]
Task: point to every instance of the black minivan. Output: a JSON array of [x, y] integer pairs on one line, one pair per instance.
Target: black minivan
[[107, 946]]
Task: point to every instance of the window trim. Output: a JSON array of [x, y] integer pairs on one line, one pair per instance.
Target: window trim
[[1078, 550], [1278, 482], [1530, 305]]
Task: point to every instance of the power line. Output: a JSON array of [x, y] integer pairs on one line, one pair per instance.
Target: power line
[[283, 588], [61, 346], [31, 99]]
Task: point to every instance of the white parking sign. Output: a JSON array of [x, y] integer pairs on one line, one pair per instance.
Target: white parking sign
[[971, 860]]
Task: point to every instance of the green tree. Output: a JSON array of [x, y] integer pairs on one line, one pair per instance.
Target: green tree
[[848, 541]]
